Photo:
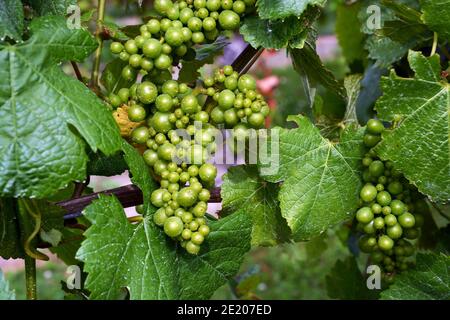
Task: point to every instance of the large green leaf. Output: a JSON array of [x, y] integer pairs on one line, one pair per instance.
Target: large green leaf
[[53, 7], [142, 258], [321, 178], [11, 19], [280, 9], [436, 15], [346, 282], [41, 108], [429, 280], [5, 292], [243, 189], [419, 146]]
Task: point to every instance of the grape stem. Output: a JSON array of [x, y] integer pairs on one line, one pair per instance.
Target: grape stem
[[435, 43], [98, 52]]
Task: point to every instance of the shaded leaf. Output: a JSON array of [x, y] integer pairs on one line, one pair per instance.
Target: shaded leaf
[[419, 146], [279, 9], [436, 15], [142, 258], [41, 108], [321, 179], [428, 280], [243, 189]]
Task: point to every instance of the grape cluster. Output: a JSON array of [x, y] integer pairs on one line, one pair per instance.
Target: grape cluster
[[390, 211], [182, 25], [178, 135], [238, 103]]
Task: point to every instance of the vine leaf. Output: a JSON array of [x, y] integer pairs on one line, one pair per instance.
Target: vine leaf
[[5, 292], [280, 9], [11, 19], [429, 280], [142, 258], [41, 108], [276, 34], [346, 282], [435, 15], [321, 179], [54, 7], [307, 62], [419, 146], [112, 78], [243, 189]]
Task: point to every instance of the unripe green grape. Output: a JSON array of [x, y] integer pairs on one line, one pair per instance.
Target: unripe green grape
[[171, 88], [192, 248], [156, 197], [364, 215], [230, 117], [385, 243], [147, 92], [160, 217], [124, 56], [376, 168], [229, 20], [366, 161], [166, 49], [186, 234], [384, 198], [209, 24], [397, 207], [383, 180], [199, 4], [395, 231], [163, 62], [202, 13], [407, 220], [162, 5], [173, 227], [160, 138], [116, 47], [231, 84], [239, 7], [217, 115], [368, 193], [140, 135], [160, 122], [371, 140], [226, 99], [114, 100], [146, 64], [378, 223], [181, 50], [246, 82], [256, 120], [165, 24], [364, 244], [198, 37], [227, 4], [204, 230], [412, 233], [395, 187], [186, 197], [150, 157], [174, 37], [164, 103], [135, 60], [212, 35], [187, 217], [204, 195], [386, 210], [369, 228], [213, 5], [136, 113], [153, 26], [195, 24], [140, 209], [375, 126], [139, 40], [208, 172], [390, 220], [189, 104], [173, 13], [131, 47], [376, 208], [202, 116], [197, 238], [185, 15]]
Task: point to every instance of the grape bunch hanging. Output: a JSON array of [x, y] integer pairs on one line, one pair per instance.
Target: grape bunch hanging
[[159, 105], [391, 211]]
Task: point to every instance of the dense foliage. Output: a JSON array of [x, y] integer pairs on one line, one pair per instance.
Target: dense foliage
[[366, 157]]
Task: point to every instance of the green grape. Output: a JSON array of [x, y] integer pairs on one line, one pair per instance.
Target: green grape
[[136, 113], [192, 248], [160, 217], [147, 92], [368, 193], [375, 126], [173, 227], [140, 135], [116, 47], [364, 215], [131, 47]]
